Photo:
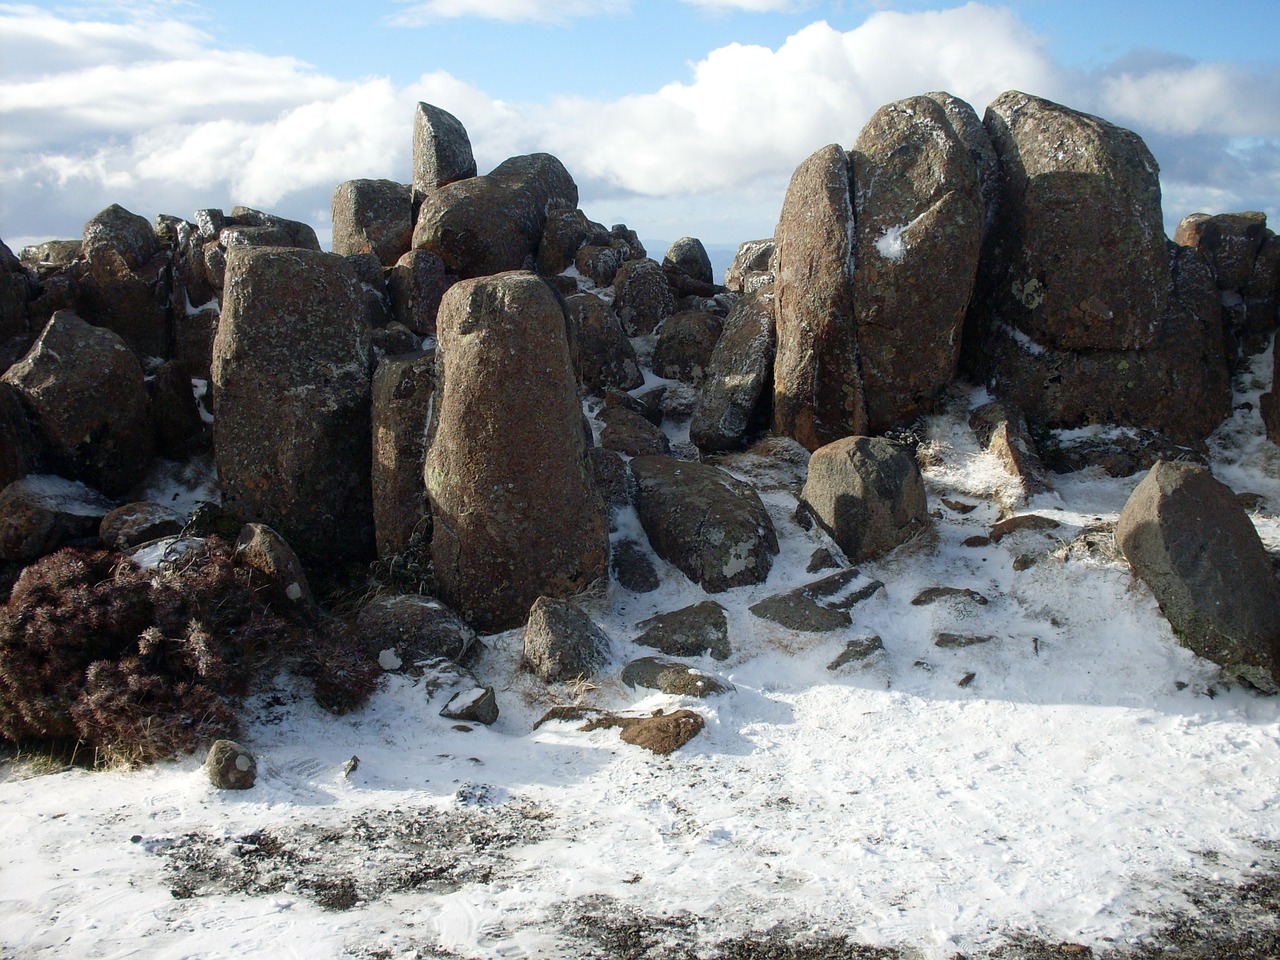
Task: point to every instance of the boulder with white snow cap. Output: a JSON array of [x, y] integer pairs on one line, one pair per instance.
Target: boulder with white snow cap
[[372, 216], [441, 150], [40, 513], [473, 705], [918, 223], [710, 525], [291, 398], [738, 375], [1186, 535], [89, 398], [561, 642], [402, 631], [515, 513], [403, 387], [867, 494], [494, 223]]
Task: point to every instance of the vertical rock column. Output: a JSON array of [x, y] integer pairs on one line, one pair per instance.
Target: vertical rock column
[[514, 510], [291, 400]]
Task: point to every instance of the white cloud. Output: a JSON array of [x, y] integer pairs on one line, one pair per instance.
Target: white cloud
[[1196, 98], [752, 6], [419, 12]]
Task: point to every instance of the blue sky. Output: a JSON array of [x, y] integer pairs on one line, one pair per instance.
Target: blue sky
[[679, 117]]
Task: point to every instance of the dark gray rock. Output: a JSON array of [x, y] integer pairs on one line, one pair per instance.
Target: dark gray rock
[[603, 356], [136, 523], [752, 267], [673, 678], [40, 513], [404, 631], [269, 555], [632, 567], [694, 631], [626, 431], [1188, 538], [476, 705], [739, 374], [403, 387], [642, 297], [416, 283], [821, 606], [247, 227], [561, 642], [708, 524], [21, 449], [689, 257], [857, 650], [441, 150], [685, 345]]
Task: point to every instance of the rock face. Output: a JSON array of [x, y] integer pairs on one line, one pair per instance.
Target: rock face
[[1186, 535], [263, 550], [969, 128], [136, 523], [689, 256], [642, 297], [402, 390], [87, 393], [685, 345], [867, 493], [40, 513], [708, 524], [491, 224], [561, 642], [918, 214], [372, 216], [738, 374], [416, 283], [1270, 403], [752, 266], [125, 288], [603, 356], [515, 513], [441, 150], [291, 400], [692, 631], [404, 631], [1101, 335], [20, 448], [817, 392]]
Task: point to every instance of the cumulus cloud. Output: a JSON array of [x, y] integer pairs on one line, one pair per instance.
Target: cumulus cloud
[[417, 12]]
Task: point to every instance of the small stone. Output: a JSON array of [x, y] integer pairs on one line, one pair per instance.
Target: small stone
[[673, 677], [959, 506], [822, 559], [976, 541], [477, 705], [230, 766], [934, 594], [957, 640], [856, 651], [1029, 521]]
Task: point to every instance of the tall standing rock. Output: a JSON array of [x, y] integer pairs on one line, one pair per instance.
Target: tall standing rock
[[817, 389], [739, 374], [291, 400], [515, 512], [441, 150], [918, 210], [402, 390]]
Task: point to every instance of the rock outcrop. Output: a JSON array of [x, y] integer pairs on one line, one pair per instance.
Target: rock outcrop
[[403, 387]]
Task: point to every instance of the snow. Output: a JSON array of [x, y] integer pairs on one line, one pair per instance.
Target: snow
[[891, 245], [1071, 788]]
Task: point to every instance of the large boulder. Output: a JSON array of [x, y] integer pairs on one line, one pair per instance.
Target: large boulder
[[247, 227], [372, 216], [688, 256], [685, 345], [642, 297], [867, 494], [602, 355], [973, 134], [291, 400], [561, 642], [693, 631], [16, 287], [126, 287], [710, 525], [20, 444], [752, 266], [740, 369], [88, 394], [817, 389], [516, 515], [416, 283], [41, 513], [918, 215], [1189, 539], [403, 387], [441, 150], [1270, 403], [405, 631], [491, 224]]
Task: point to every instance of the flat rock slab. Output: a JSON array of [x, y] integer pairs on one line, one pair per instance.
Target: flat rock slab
[[1028, 521], [934, 594], [690, 631], [821, 606], [673, 677], [857, 651], [663, 733]]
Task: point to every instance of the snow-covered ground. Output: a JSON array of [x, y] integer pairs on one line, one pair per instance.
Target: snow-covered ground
[[1075, 778]]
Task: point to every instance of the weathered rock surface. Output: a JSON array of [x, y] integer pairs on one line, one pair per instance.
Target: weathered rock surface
[[372, 216], [475, 705], [918, 215], [516, 515], [416, 283], [1002, 430], [136, 523], [1188, 538], [403, 631], [857, 650], [403, 387], [821, 606], [87, 392], [291, 400], [441, 150], [817, 390], [561, 642], [626, 431], [708, 524], [973, 134], [674, 678], [642, 297], [738, 375], [125, 287], [247, 227], [1270, 403], [180, 430], [632, 568], [603, 356], [494, 223], [230, 766], [751, 267], [685, 345], [701, 629], [40, 513], [867, 493], [20, 444], [689, 257]]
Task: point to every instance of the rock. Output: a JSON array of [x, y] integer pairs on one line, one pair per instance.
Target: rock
[[648, 404], [599, 262], [956, 641], [739, 372], [694, 631], [291, 398], [1002, 429], [1269, 403], [516, 515], [115, 233], [230, 766], [1229, 241], [685, 345], [821, 559], [490, 224], [136, 523], [610, 477], [180, 430], [969, 128], [708, 524], [416, 283], [20, 445], [662, 733], [403, 387], [566, 232], [642, 297], [673, 678], [1120, 452], [125, 287], [625, 431], [867, 494], [1028, 521], [1262, 298], [689, 257], [856, 651], [932, 595], [821, 606], [603, 356], [751, 268], [403, 631], [89, 399], [477, 705], [372, 216], [252, 228], [441, 150], [40, 513], [817, 389], [16, 288], [1187, 537], [268, 554], [393, 340], [632, 567], [561, 642], [918, 212]]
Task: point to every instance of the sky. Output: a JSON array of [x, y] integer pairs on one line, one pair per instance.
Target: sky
[[677, 117]]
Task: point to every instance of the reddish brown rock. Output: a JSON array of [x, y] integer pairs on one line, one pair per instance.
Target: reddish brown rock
[[642, 296], [402, 390], [372, 216]]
